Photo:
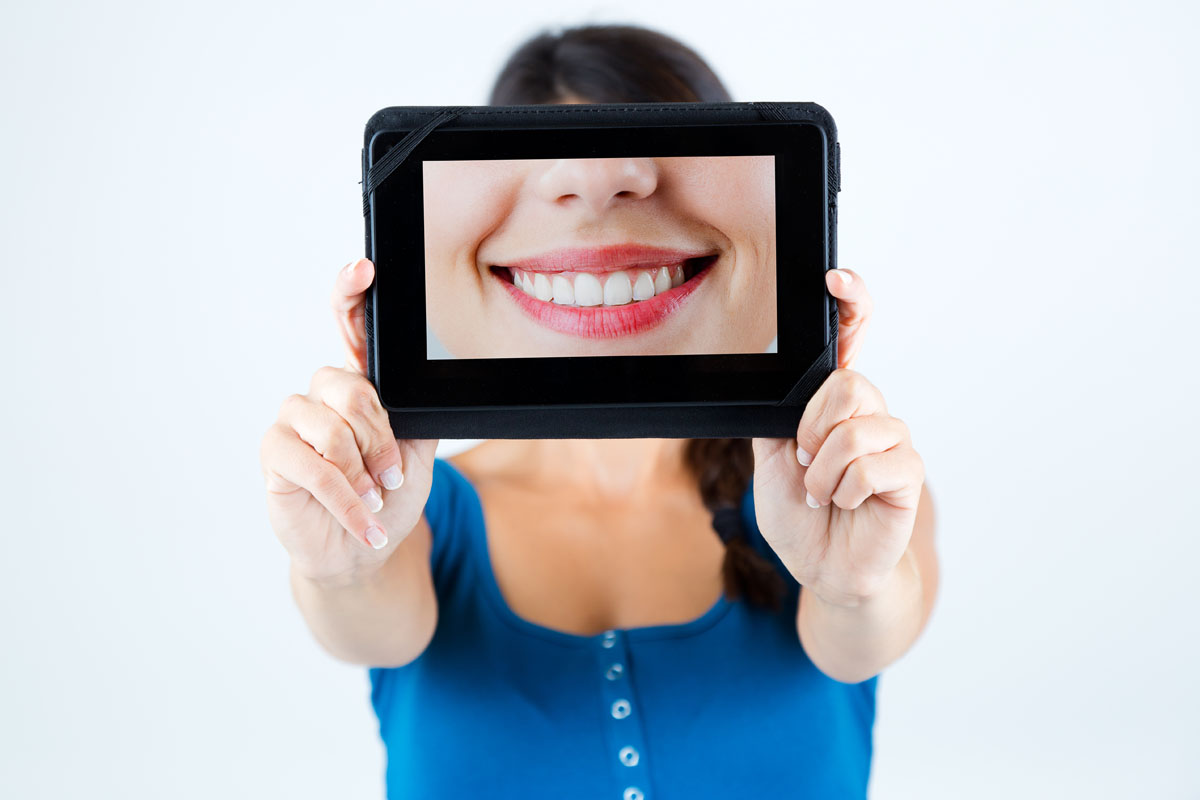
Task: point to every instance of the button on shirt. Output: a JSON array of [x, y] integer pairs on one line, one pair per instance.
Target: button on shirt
[[727, 705]]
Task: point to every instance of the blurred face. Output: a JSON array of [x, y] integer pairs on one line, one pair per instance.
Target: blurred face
[[601, 256]]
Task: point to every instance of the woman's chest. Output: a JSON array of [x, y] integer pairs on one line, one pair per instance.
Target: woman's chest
[[586, 568]]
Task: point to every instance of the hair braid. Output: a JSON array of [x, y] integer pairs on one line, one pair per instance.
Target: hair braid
[[723, 470]]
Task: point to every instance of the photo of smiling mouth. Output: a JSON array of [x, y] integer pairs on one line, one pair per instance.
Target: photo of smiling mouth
[[604, 292]]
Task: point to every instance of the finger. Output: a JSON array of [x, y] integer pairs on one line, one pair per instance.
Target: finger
[[333, 439], [849, 440], [295, 462], [855, 307], [349, 302], [895, 476], [844, 394], [355, 399]]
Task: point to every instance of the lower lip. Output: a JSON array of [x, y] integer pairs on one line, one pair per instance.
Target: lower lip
[[606, 322]]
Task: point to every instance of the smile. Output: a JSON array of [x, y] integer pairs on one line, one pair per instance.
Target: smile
[[604, 292]]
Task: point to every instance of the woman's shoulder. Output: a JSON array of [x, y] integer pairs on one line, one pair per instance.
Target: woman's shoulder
[[452, 513], [448, 491]]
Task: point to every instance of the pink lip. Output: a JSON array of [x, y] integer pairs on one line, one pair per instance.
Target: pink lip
[[605, 259], [604, 322]]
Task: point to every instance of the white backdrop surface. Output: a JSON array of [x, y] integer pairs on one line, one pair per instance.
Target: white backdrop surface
[[178, 186]]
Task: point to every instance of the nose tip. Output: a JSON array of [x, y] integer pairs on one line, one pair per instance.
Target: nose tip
[[598, 183]]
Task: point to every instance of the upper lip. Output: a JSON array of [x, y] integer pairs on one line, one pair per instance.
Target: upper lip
[[605, 259]]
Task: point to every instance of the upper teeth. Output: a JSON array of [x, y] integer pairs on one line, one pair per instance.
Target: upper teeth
[[590, 289]]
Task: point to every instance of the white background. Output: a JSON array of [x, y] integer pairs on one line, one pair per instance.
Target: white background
[[179, 186]]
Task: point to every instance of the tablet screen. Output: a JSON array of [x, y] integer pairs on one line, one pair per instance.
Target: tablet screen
[[616, 256]]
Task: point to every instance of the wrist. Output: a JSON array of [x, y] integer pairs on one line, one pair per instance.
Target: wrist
[[356, 576], [862, 594]]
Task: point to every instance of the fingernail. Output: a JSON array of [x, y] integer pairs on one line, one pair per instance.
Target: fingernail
[[391, 478], [845, 276], [812, 501], [372, 499], [803, 456], [376, 537], [349, 268]]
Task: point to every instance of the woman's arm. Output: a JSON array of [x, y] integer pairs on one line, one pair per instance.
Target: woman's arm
[[844, 507], [346, 499], [385, 618], [851, 643]]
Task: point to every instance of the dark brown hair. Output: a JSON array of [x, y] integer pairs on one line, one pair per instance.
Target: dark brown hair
[[629, 64]]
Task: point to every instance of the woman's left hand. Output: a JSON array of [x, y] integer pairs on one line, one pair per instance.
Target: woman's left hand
[[864, 478]]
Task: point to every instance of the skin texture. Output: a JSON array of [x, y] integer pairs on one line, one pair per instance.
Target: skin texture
[[644, 552], [483, 213]]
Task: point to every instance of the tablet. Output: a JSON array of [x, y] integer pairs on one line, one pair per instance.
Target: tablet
[[600, 270]]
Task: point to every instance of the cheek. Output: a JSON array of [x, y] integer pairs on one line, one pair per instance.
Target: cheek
[[736, 197], [463, 202]]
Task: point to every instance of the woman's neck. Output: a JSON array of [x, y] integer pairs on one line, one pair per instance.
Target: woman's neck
[[624, 469]]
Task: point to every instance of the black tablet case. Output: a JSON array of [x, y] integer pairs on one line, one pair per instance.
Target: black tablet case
[[601, 422]]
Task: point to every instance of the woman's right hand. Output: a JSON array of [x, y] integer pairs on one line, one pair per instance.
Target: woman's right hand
[[342, 491]]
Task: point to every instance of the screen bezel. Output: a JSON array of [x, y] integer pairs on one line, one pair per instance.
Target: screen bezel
[[407, 380]]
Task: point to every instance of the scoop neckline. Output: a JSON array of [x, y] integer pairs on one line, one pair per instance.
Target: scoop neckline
[[491, 588]]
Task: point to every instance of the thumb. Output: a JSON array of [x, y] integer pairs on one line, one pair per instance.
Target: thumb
[[348, 301], [788, 459], [765, 449]]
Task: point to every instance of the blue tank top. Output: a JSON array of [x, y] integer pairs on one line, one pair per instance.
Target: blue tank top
[[727, 705]]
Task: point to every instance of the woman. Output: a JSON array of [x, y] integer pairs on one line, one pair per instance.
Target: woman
[[557, 618]]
